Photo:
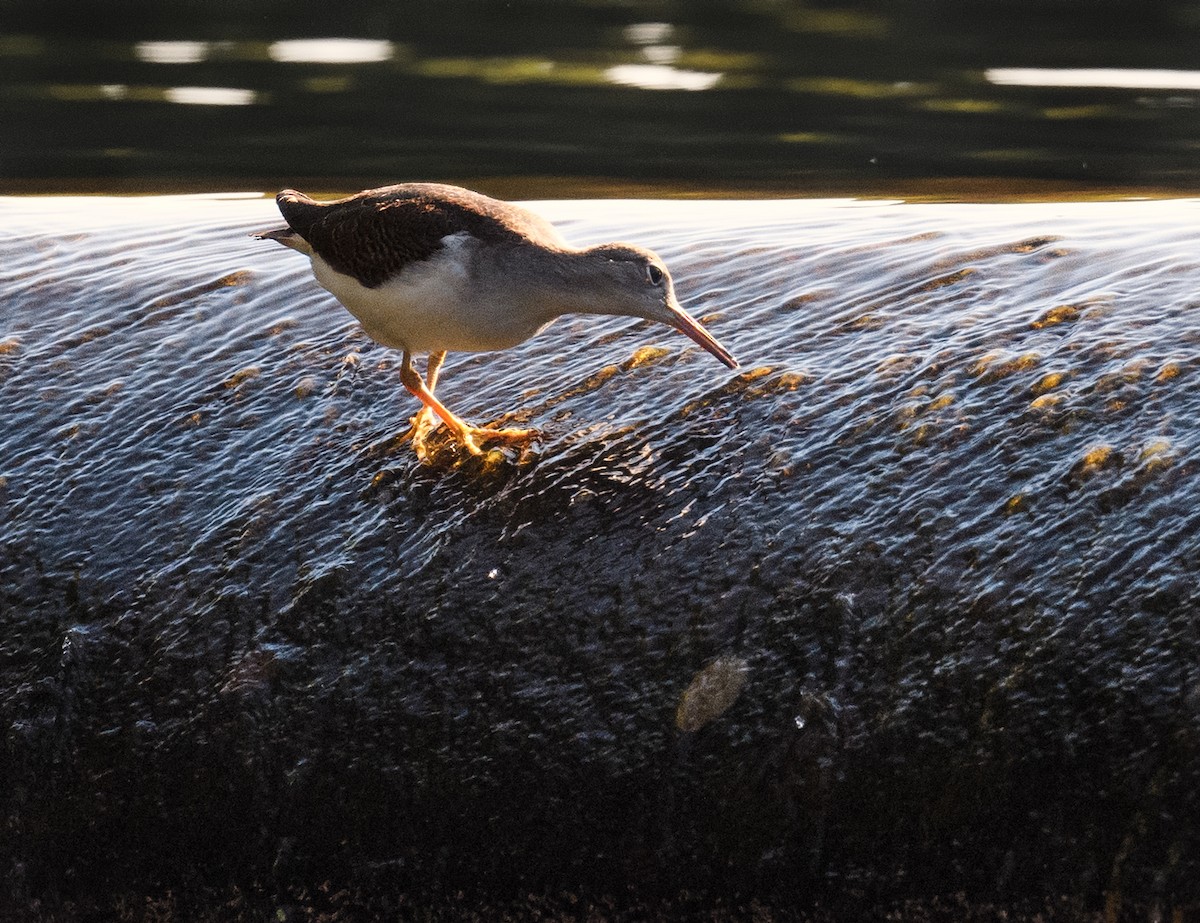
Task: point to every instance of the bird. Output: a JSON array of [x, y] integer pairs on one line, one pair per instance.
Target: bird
[[434, 268]]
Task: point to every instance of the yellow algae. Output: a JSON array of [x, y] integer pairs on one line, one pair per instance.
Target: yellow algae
[[92, 333], [596, 380], [1059, 315], [921, 434], [989, 368], [97, 395], [1134, 368], [1166, 373], [1097, 457], [790, 381], [1094, 459], [740, 384], [1048, 382], [1046, 402], [983, 363], [1157, 455], [241, 376], [9, 345], [1033, 244], [239, 277], [864, 321], [644, 356], [948, 279], [1130, 373], [711, 693], [897, 364], [940, 403], [589, 384], [755, 373], [1017, 503], [229, 280]]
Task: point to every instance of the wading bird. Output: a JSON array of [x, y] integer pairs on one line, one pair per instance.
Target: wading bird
[[433, 268]]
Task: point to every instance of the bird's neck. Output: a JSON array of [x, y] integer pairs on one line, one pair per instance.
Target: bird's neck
[[572, 282]]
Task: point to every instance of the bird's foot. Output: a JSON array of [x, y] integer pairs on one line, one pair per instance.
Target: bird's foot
[[515, 437], [429, 439], [476, 444], [420, 427]]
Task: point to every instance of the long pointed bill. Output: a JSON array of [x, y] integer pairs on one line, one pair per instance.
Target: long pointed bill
[[686, 324]]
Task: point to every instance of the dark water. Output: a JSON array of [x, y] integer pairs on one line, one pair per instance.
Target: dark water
[[730, 96], [907, 606]]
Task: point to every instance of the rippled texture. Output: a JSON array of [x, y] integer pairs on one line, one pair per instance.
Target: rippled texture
[[932, 554]]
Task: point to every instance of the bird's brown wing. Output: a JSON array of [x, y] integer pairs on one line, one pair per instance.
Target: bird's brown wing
[[372, 236]]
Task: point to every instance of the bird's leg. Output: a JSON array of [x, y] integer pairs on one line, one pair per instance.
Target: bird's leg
[[422, 422], [412, 381], [433, 368]]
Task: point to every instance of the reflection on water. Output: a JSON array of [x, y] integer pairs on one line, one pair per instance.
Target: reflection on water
[[1102, 96], [1095, 77], [331, 51], [906, 605], [661, 77]]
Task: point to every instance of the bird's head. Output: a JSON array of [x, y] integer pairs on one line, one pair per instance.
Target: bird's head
[[633, 281]]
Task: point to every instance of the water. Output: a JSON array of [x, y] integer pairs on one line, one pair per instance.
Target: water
[[928, 559], [722, 95]]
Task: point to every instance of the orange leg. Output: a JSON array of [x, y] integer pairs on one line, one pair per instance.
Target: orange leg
[[424, 393], [464, 433], [422, 422]]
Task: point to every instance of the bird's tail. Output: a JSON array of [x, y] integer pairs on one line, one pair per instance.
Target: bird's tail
[[285, 236]]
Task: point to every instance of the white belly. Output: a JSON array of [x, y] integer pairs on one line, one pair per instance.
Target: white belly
[[436, 304]]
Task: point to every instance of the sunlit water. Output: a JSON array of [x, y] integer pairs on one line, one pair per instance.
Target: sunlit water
[[938, 537]]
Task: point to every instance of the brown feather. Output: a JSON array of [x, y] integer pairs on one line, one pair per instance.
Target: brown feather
[[372, 236]]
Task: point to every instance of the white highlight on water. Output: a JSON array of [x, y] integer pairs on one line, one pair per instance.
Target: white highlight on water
[[1110, 77], [331, 51]]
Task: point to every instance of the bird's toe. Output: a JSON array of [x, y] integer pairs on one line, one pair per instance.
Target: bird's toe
[[509, 436]]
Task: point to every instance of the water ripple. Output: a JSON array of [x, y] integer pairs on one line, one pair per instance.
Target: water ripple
[[951, 497]]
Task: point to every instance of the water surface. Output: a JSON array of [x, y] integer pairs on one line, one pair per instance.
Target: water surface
[[723, 95], [907, 604]]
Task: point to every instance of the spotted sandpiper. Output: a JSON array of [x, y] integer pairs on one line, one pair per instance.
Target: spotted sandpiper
[[432, 268]]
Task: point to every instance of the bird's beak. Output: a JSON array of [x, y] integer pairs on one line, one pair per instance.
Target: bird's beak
[[688, 325]]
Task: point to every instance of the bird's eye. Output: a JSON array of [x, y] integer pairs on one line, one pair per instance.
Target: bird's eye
[[654, 274]]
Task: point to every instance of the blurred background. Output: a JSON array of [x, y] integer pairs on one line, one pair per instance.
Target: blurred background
[[546, 99]]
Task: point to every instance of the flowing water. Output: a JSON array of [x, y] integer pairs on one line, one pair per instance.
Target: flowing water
[[907, 604]]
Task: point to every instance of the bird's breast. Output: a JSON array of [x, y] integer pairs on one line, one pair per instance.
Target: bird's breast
[[456, 301]]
